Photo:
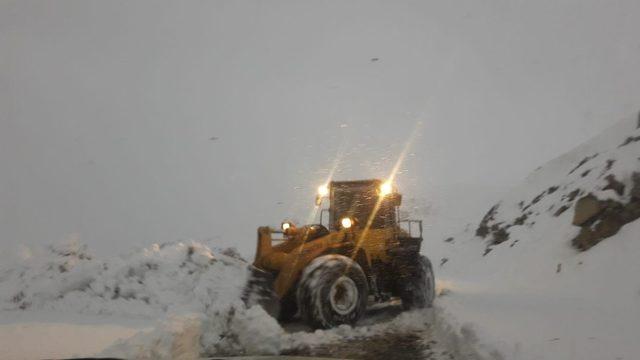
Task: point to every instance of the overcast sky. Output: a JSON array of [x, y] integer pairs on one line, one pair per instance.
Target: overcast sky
[[129, 123]]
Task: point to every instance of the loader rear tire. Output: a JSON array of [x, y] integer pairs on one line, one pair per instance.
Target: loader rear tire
[[418, 290], [333, 291]]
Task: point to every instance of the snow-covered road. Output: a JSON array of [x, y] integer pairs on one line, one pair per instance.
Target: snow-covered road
[[412, 342], [385, 333]]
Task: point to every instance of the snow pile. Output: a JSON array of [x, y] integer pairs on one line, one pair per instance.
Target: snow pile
[[234, 331], [186, 297], [186, 288], [248, 332], [550, 272], [162, 279]]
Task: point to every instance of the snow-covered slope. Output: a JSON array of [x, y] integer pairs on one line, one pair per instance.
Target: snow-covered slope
[[551, 271]]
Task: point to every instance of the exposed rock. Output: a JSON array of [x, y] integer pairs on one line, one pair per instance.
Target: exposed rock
[[571, 196], [601, 219], [537, 199], [500, 235], [635, 190], [552, 189], [586, 209], [448, 240], [497, 231], [582, 162], [629, 140], [585, 173], [588, 237], [610, 163], [561, 210], [521, 219], [18, 297], [614, 185], [483, 228], [607, 167]]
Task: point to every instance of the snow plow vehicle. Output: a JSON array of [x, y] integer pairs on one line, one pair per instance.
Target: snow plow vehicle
[[360, 252]]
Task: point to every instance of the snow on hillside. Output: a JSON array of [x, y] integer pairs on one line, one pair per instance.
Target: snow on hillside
[[551, 271]]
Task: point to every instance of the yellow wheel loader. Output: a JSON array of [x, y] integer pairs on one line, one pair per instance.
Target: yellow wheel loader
[[359, 252]]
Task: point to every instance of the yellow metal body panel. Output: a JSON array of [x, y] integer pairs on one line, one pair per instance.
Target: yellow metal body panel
[[289, 258]]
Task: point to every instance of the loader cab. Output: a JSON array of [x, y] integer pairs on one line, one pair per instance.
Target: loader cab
[[371, 203]]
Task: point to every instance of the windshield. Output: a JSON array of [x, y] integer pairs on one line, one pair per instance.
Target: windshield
[[416, 179], [358, 200]]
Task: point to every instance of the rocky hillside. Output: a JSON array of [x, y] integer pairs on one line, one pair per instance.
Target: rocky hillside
[[601, 190], [558, 253]]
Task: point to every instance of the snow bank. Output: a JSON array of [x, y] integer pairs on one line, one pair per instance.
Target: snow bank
[[65, 289], [518, 284], [162, 279]]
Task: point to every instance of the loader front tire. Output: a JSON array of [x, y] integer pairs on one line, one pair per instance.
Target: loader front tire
[[333, 291], [418, 290]]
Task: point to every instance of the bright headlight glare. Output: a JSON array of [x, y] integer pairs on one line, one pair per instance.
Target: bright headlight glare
[[386, 188], [286, 226], [323, 190], [346, 223]]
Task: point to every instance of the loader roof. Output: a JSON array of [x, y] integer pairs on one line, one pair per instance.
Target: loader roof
[[356, 183]]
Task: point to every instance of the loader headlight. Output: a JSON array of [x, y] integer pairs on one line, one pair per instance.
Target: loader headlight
[[286, 226], [323, 190], [385, 189], [346, 223]]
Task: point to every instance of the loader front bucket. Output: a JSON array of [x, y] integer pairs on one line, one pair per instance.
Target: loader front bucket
[[259, 291]]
